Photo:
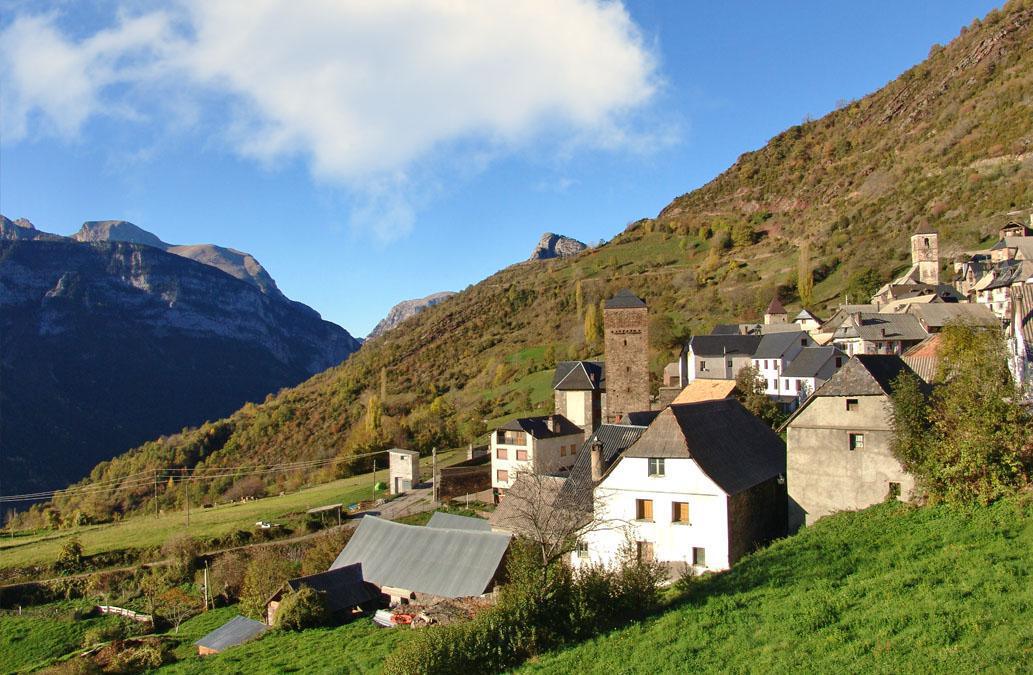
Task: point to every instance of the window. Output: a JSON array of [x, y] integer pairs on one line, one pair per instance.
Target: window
[[573, 449], [729, 364], [563, 451], [803, 342], [502, 476], [851, 405], [502, 453], [894, 490], [679, 512], [656, 466], [785, 384], [856, 441], [582, 550], [644, 550], [511, 437], [644, 509], [522, 455], [699, 557], [839, 362], [702, 364]]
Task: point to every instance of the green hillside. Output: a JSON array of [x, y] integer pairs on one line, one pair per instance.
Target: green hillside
[[890, 589], [948, 143]]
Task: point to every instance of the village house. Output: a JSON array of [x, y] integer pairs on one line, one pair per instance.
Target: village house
[[699, 488], [934, 317], [807, 321], [839, 443], [878, 333], [774, 354], [995, 288], [811, 368], [579, 392], [344, 592], [924, 358], [717, 357], [543, 444], [425, 564]]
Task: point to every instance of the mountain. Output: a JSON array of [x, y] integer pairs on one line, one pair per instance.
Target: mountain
[[556, 246], [406, 310], [108, 342], [948, 144]]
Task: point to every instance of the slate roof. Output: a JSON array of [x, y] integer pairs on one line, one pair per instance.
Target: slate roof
[[705, 390], [731, 446], [874, 326], [236, 631], [775, 307], [864, 375], [718, 345], [842, 313], [616, 438], [450, 521], [579, 376], [806, 314], [342, 588], [726, 329], [810, 360], [1006, 274], [538, 427], [441, 562], [939, 314], [625, 299], [641, 418], [774, 345]]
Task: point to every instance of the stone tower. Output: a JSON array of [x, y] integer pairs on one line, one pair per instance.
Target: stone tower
[[626, 324], [775, 313], [925, 254]]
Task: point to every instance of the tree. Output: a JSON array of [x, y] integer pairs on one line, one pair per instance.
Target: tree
[[743, 235], [248, 486], [323, 550], [974, 441], [181, 550], [226, 576], [304, 608], [805, 276], [593, 325], [70, 559], [753, 397], [176, 606], [383, 384], [374, 412], [266, 572], [863, 285], [579, 297]]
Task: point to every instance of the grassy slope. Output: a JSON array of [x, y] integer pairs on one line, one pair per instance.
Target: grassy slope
[[144, 531], [42, 634], [889, 589], [948, 143]]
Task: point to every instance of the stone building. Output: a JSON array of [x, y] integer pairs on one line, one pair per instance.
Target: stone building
[[839, 455], [775, 313], [626, 326], [579, 390], [925, 255], [403, 470]]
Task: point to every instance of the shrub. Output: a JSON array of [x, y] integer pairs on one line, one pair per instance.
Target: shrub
[[106, 633], [266, 572], [182, 550], [70, 559], [303, 609], [323, 550], [226, 577]]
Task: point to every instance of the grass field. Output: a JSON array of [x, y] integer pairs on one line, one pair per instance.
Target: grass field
[[890, 589], [143, 532], [33, 640]]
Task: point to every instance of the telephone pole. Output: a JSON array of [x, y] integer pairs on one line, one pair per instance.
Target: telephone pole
[[186, 492], [374, 480], [434, 475], [155, 493]]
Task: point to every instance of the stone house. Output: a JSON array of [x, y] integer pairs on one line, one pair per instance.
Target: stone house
[[699, 488], [878, 333], [839, 455], [717, 357], [579, 391], [543, 444]]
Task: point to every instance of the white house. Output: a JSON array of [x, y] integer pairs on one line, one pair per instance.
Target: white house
[[773, 355], [716, 357], [878, 333], [542, 444], [811, 368], [808, 321], [700, 487]]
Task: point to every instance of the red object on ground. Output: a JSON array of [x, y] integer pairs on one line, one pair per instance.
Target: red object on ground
[[402, 618]]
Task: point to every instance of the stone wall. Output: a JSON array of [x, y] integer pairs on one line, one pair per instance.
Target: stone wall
[[756, 517], [627, 361]]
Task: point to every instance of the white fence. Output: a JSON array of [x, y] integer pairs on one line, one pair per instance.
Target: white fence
[[128, 613]]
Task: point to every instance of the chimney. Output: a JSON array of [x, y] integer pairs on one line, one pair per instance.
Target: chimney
[[597, 461], [551, 423]]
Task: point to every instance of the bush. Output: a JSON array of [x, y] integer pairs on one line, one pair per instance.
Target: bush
[[182, 550], [303, 609], [323, 550], [70, 559], [266, 572], [226, 577], [98, 634]]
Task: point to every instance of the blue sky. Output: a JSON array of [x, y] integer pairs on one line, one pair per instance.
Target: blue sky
[[368, 154]]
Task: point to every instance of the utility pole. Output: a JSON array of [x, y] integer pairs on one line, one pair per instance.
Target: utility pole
[[187, 493], [434, 475], [155, 493], [206, 585], [374, 480]]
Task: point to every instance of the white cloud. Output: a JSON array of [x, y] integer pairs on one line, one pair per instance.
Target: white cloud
[[368, 92]]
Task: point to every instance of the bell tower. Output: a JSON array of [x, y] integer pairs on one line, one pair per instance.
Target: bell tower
[[925, 253]]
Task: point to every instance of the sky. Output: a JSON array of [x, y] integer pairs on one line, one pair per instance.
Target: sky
[[372, 151]]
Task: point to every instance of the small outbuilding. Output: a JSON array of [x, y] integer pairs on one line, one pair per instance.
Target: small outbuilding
[[404, 470], [343, 589], [236, 631]]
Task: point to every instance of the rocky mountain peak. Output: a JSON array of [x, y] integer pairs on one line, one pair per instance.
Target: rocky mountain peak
[[117, 230], [556, 246], [406, 310]]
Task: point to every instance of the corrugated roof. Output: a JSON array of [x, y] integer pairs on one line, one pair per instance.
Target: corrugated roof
[[538, 427], [733, 447], [704, 390], [450, 521], [579, 376], [625, 299], [810, 360], [616, 438], [237, 630], [445, 563], [774, 345], [342, 588], [718, 345], [939, 314]]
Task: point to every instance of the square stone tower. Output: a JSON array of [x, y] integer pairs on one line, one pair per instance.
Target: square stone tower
[[626, 327], [925, 253]]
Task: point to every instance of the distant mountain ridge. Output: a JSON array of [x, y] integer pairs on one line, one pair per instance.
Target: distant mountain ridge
[[406, 310], [111, 337], [553, 245]]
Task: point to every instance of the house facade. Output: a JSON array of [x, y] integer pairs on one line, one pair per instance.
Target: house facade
[[878, 333], [774, 354], [839, 455], [544, 444], [810, 369], [579, 392], [717, 357]]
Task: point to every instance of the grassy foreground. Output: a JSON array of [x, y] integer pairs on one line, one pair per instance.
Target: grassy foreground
[[890, 589], [40, 635]]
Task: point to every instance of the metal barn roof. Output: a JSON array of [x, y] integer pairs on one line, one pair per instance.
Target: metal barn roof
[[449, 521], [443, 562], [236, 631]]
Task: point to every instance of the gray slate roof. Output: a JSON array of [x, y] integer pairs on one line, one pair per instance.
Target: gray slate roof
[[810, 360], [450, 521], [625, 299], [719, 345], [616, 438], [732, 446], [442, 562], [876, 326], [342, 588], [580, 376], [538, 427], [939, 314], [865, 375], [774, 345], [237, 630]]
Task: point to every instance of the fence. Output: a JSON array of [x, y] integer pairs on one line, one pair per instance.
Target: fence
[[473, 475], [128, 613]]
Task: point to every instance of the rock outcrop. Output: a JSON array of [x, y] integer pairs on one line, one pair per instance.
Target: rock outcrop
[[406, 310], [556, 246]]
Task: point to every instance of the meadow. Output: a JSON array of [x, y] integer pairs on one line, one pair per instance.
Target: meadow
[[39, 635]]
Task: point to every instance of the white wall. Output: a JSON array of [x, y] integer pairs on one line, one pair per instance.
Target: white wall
[[683, 482], [575, 410]]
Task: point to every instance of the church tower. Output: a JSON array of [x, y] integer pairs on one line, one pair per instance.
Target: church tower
[[925, 254], [626, 327]]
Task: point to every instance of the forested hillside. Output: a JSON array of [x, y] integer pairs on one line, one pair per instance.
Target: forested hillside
[[949, 144]]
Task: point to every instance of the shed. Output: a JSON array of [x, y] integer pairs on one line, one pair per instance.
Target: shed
[[404, 470], [236, 631], [343, 590]]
